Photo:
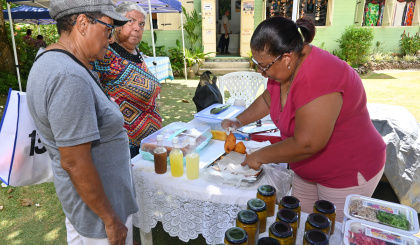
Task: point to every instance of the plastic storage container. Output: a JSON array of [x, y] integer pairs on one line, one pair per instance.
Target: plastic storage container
[[230, 112], [355, 232], [183, 131], [395, 217]]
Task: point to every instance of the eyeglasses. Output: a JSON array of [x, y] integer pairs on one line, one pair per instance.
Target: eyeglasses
[[111, 32], [105, 24], [264, 69], [131, 22]]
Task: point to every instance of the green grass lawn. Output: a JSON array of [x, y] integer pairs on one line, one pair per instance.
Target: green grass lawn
[[401, 89], [44, 223]]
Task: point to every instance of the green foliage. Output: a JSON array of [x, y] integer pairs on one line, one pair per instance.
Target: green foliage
[[176, 56], [189, 58], [26, 53], [354, 45], [12, 5], [49, 32], [192, 22], [147, 49], [409, 45], [410, 58], [9, 80], [195, 56], [200, 56], [249, 53]]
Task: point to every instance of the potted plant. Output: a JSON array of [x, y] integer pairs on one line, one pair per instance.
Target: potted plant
[[200, 57], [191, 60]]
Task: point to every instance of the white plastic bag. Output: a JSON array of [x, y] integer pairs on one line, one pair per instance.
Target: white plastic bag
[[23, 158], [277, 175]]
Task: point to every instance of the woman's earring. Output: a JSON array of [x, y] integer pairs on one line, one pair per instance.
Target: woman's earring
[[288, 67]]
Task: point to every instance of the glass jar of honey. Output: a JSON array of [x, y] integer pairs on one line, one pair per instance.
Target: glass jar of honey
[[315, 237], [282, 232], [236, 235], [328, 209], [291, 202], [267, 193], [289, 216], [248, 220], [267, 241], [260, 208], [318, 221]]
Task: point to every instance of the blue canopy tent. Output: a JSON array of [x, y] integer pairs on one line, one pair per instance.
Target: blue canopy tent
[[29, 15], [151, 6]]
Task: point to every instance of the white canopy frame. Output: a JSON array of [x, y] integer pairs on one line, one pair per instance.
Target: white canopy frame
[[153, 40], [14, 46]]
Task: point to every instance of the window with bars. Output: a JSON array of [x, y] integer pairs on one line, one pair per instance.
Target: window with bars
[[319, 11]]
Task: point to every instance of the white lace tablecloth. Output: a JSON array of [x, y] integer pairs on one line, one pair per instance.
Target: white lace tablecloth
[[185, 207]]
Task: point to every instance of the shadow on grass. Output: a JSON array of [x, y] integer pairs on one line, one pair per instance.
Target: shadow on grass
[[35, 224], [372, 75], [175, 103]]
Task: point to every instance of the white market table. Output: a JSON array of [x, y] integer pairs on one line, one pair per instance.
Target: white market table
[[188, 208]]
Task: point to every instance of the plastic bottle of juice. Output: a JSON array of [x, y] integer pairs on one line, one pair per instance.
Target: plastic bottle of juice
[[176, 158], [193, 160], [160, 156]]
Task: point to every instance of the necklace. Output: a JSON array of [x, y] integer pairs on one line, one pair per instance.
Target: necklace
[[288, 90], [64, 46]]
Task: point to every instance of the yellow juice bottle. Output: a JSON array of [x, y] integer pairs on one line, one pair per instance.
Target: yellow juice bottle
[[193, 161], [176, 159]]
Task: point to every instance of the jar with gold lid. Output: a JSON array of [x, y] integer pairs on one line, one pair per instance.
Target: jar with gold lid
[[267, 241], [267, 193], [282, 232], [260, 208], [319, 222], [236, 236], [248, 220], [289, 216], [293, 203], [315, 237], [326, 208]]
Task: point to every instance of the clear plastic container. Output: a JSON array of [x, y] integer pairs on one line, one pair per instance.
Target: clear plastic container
[[395, 217], [183, 131], [207, 117], [357, 231]]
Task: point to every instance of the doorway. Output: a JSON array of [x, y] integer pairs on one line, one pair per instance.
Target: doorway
[[234, 27]]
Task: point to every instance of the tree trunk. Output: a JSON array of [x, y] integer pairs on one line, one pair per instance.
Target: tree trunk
[[7, 62]]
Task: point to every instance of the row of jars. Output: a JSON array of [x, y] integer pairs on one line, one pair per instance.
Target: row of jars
[[254, 219], [238, 236]]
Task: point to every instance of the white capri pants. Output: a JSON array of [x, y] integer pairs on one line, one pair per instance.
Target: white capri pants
[[74, 238]]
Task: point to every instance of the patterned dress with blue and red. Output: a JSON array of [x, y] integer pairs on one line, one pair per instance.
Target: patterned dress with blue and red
[[127, 80]]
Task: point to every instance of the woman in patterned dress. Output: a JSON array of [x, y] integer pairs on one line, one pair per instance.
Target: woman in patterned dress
[[126, 78]]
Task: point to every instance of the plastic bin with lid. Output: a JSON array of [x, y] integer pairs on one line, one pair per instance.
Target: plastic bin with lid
[[360, 233], [183, 131], [231, 112], [386, 215]]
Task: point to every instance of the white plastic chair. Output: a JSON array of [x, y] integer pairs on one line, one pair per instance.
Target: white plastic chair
[[241, 85]]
